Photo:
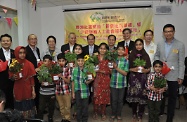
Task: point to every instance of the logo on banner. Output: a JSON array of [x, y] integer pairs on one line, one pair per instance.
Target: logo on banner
[[97, 16]]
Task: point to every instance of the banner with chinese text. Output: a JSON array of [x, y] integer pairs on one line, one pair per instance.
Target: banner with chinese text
[[102, 23]]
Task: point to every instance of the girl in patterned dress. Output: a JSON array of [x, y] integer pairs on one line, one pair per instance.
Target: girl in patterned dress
[[102, 84]]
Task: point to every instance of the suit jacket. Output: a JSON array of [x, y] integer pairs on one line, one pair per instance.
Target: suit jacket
[[31, 57], [86, 49], [5, 82], [66, 47], [174, 59], [131, 45]]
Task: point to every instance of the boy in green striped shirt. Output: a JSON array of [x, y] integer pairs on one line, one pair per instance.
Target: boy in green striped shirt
[[80, 89], [118, 83]]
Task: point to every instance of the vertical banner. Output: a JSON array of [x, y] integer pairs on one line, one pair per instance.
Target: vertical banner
[[102, 23]]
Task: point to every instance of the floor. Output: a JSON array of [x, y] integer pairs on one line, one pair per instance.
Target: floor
[[180, 115]]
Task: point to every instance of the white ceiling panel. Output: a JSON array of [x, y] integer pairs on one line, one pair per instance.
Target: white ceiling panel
[[87, 1], [46, 4], [61, 3], [42, 1], [112, 1]]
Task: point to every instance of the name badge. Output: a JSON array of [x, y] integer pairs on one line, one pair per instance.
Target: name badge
[[151, 51], [175, 51]]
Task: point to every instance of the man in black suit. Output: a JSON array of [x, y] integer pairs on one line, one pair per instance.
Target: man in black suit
[[128, 43], [6, 54], [72, 42], [111, 42], [91, 48], [33, 55]]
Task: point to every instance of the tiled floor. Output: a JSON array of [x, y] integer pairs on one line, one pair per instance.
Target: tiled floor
[[180, 115]]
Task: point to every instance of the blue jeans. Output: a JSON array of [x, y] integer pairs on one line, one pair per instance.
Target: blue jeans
[[117, 95]]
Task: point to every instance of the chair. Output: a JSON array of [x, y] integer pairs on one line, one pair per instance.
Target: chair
[[33, 120]]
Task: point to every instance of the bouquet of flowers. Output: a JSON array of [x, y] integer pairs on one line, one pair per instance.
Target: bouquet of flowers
[[90, 63], [54, 70], [44, 76], [70, 57], [15, 67], [160, 82], [139, 62], [111, 56]]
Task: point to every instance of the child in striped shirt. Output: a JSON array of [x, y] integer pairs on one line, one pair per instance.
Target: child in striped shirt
[[63, 90], [118, 83], [155, 95]]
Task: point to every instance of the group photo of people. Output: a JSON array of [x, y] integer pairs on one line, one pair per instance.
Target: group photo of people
[[74, 77]]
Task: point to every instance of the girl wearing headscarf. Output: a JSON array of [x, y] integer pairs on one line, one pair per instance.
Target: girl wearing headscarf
[[24, 92], [136, 93]]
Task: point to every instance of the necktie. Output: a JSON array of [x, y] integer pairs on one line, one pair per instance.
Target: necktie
[[127, 45]]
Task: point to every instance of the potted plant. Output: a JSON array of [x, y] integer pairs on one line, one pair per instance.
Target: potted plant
[[159, 82], [90, 64], [140, 63], [15, 67], [70, 57], [44, 76], [54, 70], [111, 56]]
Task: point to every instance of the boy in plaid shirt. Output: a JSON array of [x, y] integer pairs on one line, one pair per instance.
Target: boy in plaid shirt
[[80, 89], [118, 83], [63, 90], [155, 95]]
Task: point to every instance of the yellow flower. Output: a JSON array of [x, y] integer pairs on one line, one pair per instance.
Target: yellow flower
[[86, 57]]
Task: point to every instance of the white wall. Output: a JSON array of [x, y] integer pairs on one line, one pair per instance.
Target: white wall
[[9, 3], [52, 23]]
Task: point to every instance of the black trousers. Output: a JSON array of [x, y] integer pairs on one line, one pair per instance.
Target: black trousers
[[172, 97], [82, 107], [117, 96]]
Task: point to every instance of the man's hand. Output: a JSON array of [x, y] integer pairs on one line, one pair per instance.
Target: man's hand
[[179, 81]]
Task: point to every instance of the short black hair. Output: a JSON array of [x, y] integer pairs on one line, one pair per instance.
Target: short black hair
[[2, 96], [47, 40], [47, 57], [157, 62], [61, 56], [80, 56], [120, 46], [90, 35], [169, 26], [148, 31], [127, 29], [112, 35], [106, 46], [6, 35]]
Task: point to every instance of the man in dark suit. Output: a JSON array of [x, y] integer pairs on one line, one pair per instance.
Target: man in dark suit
[[33, 55], [72, 42], [6, 85], [128, 43], [111, 42], [91, 48]]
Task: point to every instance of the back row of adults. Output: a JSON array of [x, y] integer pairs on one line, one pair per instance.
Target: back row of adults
[[170, 50]]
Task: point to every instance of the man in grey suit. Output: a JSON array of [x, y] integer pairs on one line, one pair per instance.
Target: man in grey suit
[[172, 52]]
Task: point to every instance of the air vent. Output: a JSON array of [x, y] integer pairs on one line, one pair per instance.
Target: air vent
[[163, 10]]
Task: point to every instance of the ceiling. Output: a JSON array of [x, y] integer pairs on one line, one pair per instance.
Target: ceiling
[[53, 3]]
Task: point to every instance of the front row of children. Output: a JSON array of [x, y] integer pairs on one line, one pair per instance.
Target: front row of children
[[75, 85]]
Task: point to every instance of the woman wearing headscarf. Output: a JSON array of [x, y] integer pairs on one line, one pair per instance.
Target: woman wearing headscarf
[[136, 93], [24, 92]]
